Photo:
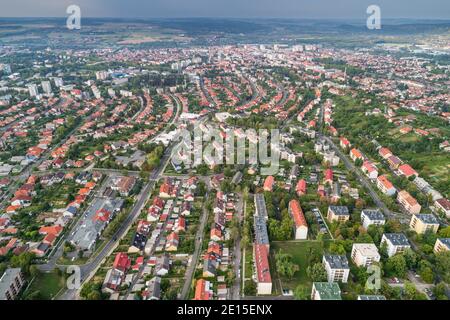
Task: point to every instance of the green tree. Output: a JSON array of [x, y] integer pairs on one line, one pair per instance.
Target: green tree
[[396, 266], [284, 264], [250, 288], [317, 272], [301, 293]]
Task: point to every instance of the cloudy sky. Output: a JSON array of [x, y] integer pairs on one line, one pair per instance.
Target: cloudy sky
[[339, 9]]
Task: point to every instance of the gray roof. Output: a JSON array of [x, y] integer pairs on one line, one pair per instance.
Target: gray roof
[[373, 297], [154, 288], [260, 205], [261, 236], [237, 178], [87, 233], [397, 239], [373, 214], [6, 280], [337, 261], [445, 241], [339, 210], [427, 218]]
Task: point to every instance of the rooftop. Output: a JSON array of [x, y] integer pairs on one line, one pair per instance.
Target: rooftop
[[373, 214], [336, 261], [397, 239], [328, 291]]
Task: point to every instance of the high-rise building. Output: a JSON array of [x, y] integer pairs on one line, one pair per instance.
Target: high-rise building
[[46, 87], [59, 82], [33, 90]]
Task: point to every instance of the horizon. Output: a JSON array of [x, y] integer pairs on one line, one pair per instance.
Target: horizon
[[248, 9]]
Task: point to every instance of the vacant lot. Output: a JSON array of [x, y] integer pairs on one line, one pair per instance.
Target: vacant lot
[[48, 285], [300, 250]]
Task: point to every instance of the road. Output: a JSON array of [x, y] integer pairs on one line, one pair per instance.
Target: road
[[88, 270], [362, 179], [198, 247]]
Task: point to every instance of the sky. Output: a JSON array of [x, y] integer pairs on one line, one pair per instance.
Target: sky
[[325, 9]]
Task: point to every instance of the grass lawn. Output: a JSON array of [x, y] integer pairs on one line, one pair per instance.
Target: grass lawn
[[299, 251], [48, 284]]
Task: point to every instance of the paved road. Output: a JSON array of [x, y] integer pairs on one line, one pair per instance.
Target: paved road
[[88, 270], [198, 247], [362, 179]]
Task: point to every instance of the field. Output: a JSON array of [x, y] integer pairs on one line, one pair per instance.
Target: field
[[299, 251], [48, 285]]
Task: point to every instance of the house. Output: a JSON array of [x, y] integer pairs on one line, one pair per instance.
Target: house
[[203, 290], [138, 243], [209, 266], [443, 205], [370, 170], [355, 154], [300, 225], [441, 245], [11, 283], [394, 162], [172, 242], [301, 187], [385, 153], [122, 262], [153, 291], [262, 269], [186, 209], [407, 171], [365, 254], [385, 186], [338, 213], [216, 233], [325, 291], [268, 184], [395, 242], [166, 190], [422, 223], [162, 266], [337, 268], [56, 230], [180, 225], [328, 176], [408, 202], [372, 217], [344, 143]]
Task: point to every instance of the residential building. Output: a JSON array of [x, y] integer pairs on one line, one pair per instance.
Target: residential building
[[408, 202], [262, 269], [338, 213], [372, 217], [268, 183], [385, 186], [395, 242], [203, 290], [443, 205], [422, 223], [325, 291], [364, 254], [337, 268], [441, 245], [300, 225], [11, 283]]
